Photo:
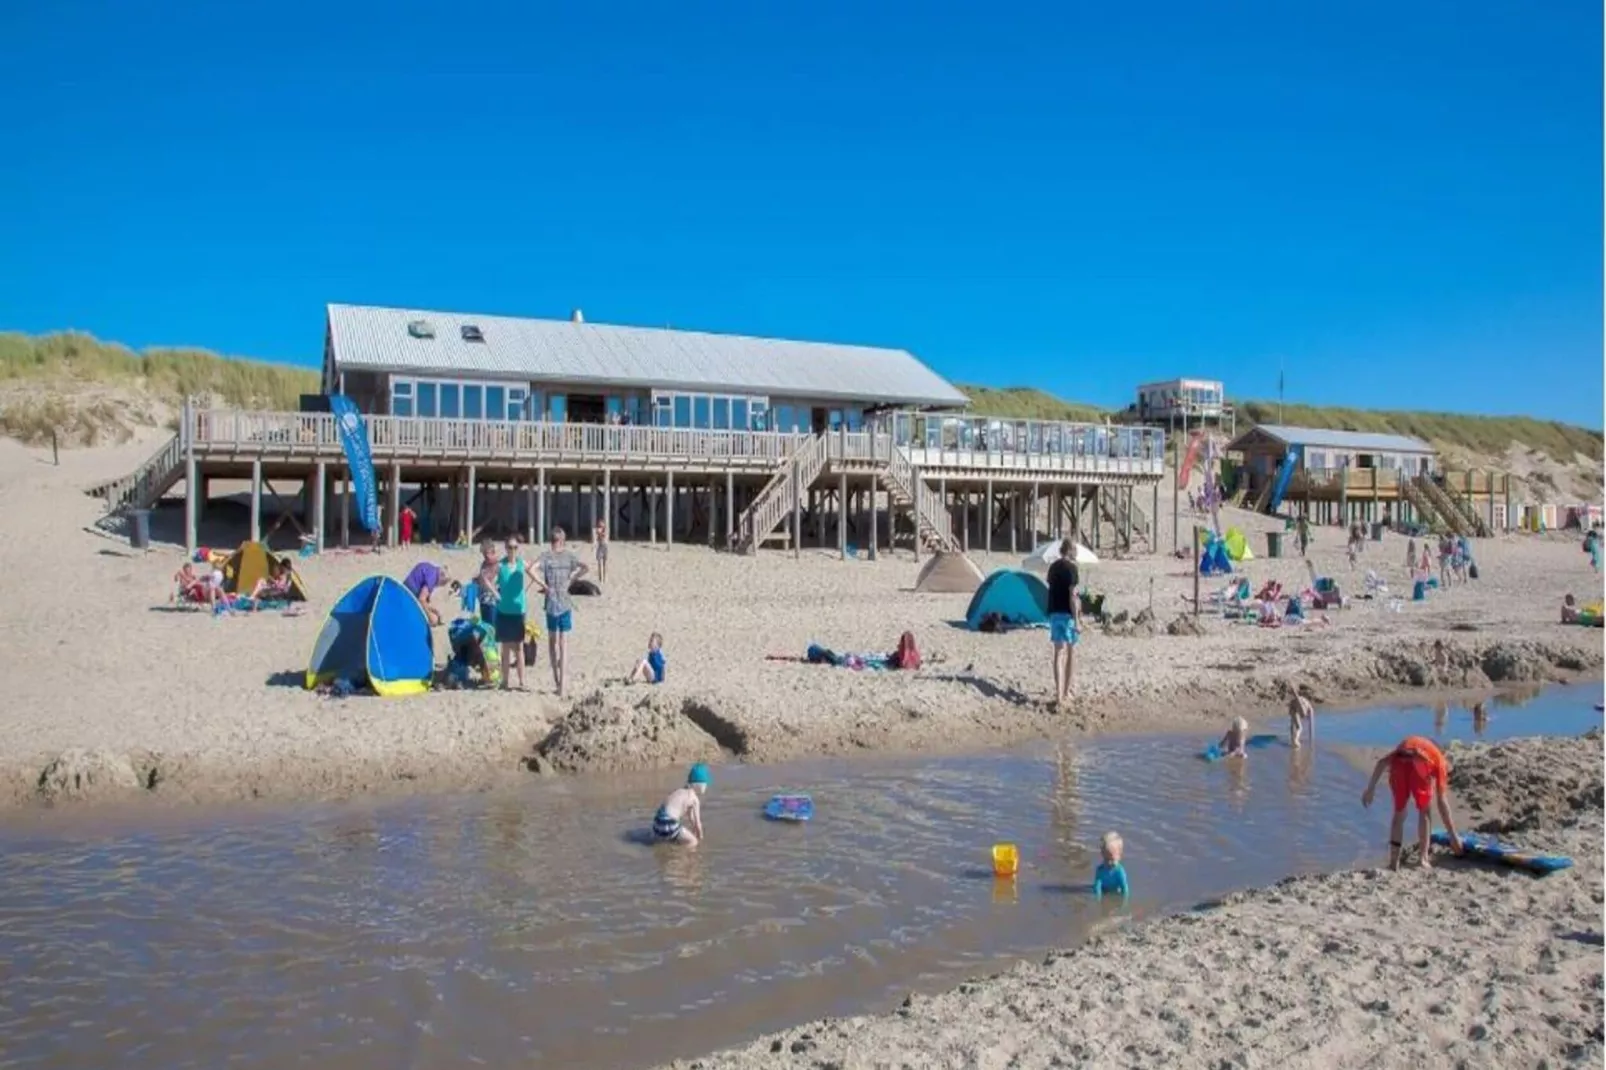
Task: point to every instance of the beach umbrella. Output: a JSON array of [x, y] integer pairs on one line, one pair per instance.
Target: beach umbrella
[[1049, 552]]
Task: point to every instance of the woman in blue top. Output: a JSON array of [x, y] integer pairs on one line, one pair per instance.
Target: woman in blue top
[[512, 580]]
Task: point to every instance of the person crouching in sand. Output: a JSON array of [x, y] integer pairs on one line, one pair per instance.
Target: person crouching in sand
[[1417, 771], [1301, 715], [680, 819], [1110, 877]]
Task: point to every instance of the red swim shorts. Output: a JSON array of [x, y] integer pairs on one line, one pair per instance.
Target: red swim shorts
[[1411, 777]]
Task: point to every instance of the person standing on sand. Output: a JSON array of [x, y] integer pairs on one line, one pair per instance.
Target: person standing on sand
[[601, 541], [556, 570], [1303, 533], [1301, 715], [1062, 617], [1419, 772], [511, 583]]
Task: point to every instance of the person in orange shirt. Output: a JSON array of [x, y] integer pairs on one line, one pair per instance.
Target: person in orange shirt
[[1417, 771]]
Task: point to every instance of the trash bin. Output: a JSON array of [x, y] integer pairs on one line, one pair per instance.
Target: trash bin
[[1274, 544], [139, 529], [1377, 531]]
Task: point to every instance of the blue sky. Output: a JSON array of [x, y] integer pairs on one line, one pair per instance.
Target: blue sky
[[1399, 202]]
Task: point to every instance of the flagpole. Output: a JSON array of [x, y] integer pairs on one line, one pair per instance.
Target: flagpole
[[1280, 378]]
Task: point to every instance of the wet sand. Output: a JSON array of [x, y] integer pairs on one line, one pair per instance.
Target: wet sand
[[122, 696], [1462, 965]]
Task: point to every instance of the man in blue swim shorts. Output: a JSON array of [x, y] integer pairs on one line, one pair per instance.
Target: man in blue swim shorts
[[557, 569], [1063, 617]]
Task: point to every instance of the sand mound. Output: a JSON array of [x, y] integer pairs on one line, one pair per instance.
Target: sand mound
[[617, 729], [80, 774], [1529, 784]]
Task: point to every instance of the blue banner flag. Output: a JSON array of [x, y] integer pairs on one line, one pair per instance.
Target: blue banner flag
[[354, 439]]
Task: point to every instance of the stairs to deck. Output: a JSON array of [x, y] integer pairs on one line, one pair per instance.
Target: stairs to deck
[[933, 526], [1424, 505], [142, 488], [1459, 514], [759, 520], [1110, 501]]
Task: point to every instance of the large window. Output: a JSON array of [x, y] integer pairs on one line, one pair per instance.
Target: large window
[[460, 400], [451, 401]]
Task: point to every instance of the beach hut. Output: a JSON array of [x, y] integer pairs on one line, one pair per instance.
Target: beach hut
[[1049, 552], [1015, 597], [949, 572], [376, 635], [252, 562]]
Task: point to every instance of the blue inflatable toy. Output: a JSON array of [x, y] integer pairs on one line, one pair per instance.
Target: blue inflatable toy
[[1213, 753], [795, 808], [1488, 850]]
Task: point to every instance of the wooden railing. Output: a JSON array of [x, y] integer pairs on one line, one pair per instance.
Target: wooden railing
[[879, 448], [141, 488], [930, 520], [397, 437]]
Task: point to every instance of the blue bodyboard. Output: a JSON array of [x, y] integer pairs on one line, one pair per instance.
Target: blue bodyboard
[[1213, 752], [1485, 849], [789, 808]]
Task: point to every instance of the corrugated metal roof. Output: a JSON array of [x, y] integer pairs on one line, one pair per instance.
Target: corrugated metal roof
[[565, 351], [1344, 440]]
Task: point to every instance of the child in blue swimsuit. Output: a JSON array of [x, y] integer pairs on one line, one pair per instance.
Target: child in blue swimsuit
[[1110, 877], [651, 666]]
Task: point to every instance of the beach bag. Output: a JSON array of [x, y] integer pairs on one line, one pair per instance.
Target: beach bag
[[1472, 571]]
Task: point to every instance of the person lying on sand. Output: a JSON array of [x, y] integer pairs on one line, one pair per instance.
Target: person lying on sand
[[1417, 770], [650, 669], [680, 819], [1301, 715], [1110, 877], [1235, 743]]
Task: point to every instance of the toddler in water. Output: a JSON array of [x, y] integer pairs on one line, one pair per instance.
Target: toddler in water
[[680, 819], [1110, 877], [1301, 715], [651, 666], [1235, 743]]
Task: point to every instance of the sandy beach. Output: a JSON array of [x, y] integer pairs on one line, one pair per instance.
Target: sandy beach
[[119, 694], [1463, 965]]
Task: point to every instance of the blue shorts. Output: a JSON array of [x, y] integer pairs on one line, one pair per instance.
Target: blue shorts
[[1062, 629], [664, 827], [558, 623]]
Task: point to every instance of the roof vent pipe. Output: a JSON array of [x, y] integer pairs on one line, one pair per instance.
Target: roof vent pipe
[[577, 316]]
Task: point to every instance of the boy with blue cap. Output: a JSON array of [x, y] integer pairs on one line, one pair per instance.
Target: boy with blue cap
[[680, 818]]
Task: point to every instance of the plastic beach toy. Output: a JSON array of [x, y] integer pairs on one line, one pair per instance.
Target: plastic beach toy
[[1006, 860], [789, 808]]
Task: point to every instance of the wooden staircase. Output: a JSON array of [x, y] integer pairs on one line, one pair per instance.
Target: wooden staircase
[[773, 504], [933, 526], [1109, 499], [1425, 508], [1462, 518], [142, 488]]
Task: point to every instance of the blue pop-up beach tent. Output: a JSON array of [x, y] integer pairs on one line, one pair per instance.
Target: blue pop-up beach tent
[[377, 634], [1019, 598]]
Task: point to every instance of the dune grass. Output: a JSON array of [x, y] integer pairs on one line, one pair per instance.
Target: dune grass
[[1488, 435], [1027, 403]]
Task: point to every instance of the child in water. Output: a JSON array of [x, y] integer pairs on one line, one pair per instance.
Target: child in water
[[1301, 715], [1110, 876], [1236, 742], [650, 669], [680, 819]]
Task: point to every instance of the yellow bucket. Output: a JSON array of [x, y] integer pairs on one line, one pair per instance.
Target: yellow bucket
[[1006, 860]]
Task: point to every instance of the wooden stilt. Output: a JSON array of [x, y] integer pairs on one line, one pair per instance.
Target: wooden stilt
[[873, 521], [345, 509], [256, 499], [987, 535], [471, 486], [669, 508], [192, 508], [393, 525], [842, 515], [730, 507], [320, 504]]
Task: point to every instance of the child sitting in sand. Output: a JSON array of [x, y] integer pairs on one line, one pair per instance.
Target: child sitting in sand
[[1569, 609], [650, 669], [1301, 715], [1110, 876], [275, 586], [680, 819], [1417, 771], [1236, 742]]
